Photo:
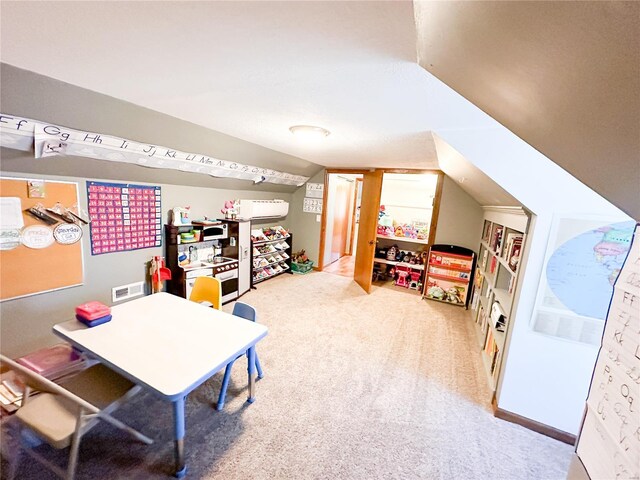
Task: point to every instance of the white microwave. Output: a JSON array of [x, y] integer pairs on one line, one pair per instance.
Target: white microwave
[[215, 231]]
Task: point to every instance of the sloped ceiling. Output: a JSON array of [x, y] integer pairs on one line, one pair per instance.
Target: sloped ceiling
[[563, 76], [247, 69]]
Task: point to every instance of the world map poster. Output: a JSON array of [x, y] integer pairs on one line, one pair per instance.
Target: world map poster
[[584, 257]]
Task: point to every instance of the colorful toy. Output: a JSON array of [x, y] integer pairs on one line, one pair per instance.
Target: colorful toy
[[454, 294], [230, 209], [384, 219], [415, 283], [402, 275], [423, 233], [436, 292], [181, 216]]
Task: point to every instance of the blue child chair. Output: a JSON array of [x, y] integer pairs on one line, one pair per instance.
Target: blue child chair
[[249, 313]]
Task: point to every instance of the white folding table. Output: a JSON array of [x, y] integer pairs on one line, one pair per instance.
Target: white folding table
[[170, 346]]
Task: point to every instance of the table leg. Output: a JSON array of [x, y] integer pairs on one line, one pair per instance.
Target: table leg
[[251, 368], [178, 416]]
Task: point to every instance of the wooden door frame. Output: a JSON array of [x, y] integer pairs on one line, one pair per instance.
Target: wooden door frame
[[434, 213], [325, 195], [353, 215]]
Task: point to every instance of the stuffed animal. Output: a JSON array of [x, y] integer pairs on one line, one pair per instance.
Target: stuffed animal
[[435, 292], [454, 295], [399, 232]]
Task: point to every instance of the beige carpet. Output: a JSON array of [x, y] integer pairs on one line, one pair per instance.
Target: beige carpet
[[356, 387]]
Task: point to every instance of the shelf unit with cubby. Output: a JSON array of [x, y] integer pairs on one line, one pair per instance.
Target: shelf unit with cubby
[[449, 274], [495, 281], [270, 256]]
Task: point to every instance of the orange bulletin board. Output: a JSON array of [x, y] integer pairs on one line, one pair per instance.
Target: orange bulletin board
[[27, 271]]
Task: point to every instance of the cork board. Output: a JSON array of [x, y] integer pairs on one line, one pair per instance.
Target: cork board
[[28, 271]]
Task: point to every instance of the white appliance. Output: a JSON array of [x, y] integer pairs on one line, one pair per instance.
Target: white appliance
[[226, 270], [223, 268], [191, 275], [244, 257], [249, 209]]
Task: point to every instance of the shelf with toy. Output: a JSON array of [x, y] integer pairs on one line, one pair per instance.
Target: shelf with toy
[[393, 262], [447, 277], [270, 248], [270, 252], [261, 236], [270, 259], [279, 239], [422, 241], [265, 273], [449, 273]]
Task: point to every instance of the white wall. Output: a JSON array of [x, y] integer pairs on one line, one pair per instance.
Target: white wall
[[329, 211], [305, 226], [401, 193], [460, 218], [545, 379]]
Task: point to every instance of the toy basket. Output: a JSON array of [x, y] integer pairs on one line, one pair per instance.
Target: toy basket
[[301, 268]]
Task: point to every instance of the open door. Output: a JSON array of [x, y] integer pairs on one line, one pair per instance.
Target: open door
[[366, 244]]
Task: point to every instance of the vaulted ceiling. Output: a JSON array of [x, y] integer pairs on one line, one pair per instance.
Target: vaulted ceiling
[[563, 76], [560, 76]]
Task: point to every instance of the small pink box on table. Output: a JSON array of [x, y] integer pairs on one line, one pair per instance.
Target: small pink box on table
[[92, 310]]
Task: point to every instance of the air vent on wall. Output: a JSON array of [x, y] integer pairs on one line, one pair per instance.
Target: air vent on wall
[[127, 291]]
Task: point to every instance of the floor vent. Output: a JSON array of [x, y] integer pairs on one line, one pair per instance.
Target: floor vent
[[127, 291]]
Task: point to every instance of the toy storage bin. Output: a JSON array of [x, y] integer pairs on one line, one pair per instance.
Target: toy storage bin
[[301, 268]]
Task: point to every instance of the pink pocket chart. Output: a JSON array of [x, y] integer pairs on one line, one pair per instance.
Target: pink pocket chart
[[124, 217]]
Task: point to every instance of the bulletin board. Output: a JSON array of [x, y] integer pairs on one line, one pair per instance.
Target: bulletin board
[[27, 271]]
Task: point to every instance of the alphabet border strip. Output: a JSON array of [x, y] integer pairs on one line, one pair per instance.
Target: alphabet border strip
[[49, 140]]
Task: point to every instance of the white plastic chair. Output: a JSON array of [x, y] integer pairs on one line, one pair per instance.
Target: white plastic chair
[[61, 414]]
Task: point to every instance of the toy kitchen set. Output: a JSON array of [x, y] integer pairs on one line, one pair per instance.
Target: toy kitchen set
[[214, 248]]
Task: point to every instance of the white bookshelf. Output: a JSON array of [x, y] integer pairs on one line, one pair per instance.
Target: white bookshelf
[[496, 279]]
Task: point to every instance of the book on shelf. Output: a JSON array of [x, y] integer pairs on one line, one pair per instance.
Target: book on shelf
[[510, 239], [486, 233], [513, 256], [475, 299], [485, 255], [484, 327], [496, 241], [495, 364], [494, 264], [489, 344]]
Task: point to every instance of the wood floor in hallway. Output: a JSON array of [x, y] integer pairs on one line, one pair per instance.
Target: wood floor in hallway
[[343, 267]]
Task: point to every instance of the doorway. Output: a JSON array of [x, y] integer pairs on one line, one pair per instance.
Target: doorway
[[340, 230]]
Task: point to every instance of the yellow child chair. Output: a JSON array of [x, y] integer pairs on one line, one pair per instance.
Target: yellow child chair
[[207, 291]]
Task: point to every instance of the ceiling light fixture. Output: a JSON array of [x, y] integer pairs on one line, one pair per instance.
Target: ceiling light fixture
[[309, 132]]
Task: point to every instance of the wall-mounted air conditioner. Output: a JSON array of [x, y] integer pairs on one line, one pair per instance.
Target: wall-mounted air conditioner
[[263, 208]]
